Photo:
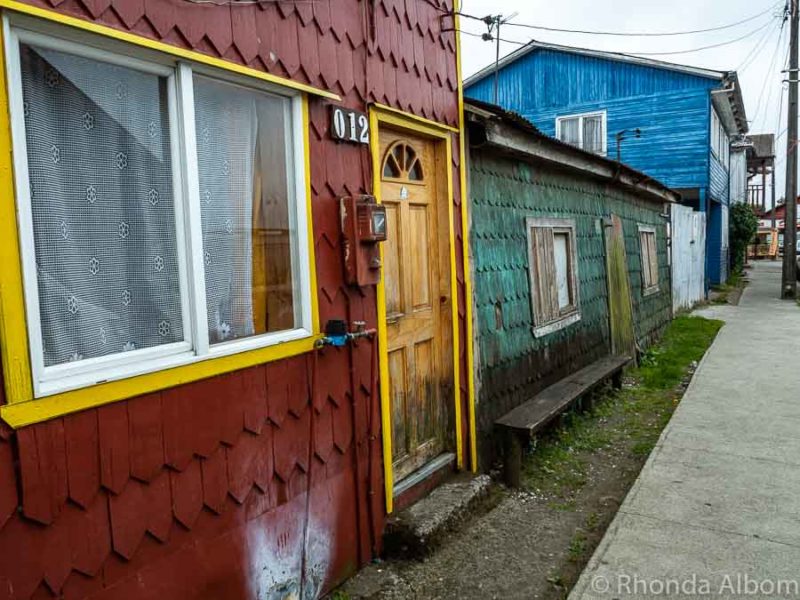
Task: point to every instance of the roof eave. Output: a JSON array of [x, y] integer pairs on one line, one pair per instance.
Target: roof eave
[[530, 144], [616, 56]]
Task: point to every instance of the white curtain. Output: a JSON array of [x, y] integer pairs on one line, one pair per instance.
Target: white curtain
[[593, 134], [102, 203], [227, 125], [569, 131]]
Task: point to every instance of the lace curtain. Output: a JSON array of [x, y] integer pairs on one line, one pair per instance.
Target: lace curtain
[[242, 164], [102, 203], [569, 131]]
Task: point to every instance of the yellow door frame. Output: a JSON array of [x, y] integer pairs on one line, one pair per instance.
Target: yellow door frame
[[384, 116]]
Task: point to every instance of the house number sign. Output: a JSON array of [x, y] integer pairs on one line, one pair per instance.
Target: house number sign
[[349, 125]]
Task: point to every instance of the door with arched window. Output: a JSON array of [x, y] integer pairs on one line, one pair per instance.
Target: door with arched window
[[417, 296]]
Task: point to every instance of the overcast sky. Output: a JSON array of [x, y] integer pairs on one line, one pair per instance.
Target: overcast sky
[[764, 45]]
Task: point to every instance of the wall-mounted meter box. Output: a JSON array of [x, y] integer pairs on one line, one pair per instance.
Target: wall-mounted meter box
[[363, 223], [371, 222]]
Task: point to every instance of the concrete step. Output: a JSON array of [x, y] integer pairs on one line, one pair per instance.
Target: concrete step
[[419, 529]]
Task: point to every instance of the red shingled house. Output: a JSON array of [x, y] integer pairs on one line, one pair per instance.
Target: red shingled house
[[174, 243]]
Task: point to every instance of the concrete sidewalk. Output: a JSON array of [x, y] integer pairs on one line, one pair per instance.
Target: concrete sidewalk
[[716, 508]]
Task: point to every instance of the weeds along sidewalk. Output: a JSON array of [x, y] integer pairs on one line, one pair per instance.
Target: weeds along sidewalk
[[535, 541]]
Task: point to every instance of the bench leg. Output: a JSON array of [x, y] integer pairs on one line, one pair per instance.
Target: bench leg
[[512, 460], [616, 380]]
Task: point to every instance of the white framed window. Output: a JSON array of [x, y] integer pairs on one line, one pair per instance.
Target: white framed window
[[587, 131], [553, 273], [648, 248], [162, 209], [720, 143]]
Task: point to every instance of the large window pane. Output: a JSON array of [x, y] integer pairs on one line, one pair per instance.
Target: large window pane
[[569, 131], [593, 134], [243, 149], [98, 150]]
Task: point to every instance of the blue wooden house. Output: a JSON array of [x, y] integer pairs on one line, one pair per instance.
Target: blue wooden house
[[673, 122]]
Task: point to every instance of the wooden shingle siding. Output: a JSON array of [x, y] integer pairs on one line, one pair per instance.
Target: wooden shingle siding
[[173, 494], [513, 364]]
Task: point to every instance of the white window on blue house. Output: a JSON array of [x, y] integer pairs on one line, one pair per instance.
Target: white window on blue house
[[586, 131], [720, 143]]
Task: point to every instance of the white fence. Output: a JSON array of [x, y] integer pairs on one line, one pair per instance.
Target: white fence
[[688, 231]]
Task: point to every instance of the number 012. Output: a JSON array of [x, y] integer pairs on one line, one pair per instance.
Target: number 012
[[350, 126]]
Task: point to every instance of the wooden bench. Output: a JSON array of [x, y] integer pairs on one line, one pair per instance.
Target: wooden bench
[[518, 425]]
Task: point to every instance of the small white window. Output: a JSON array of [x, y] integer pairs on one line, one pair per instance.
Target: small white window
[[552, 268], [586, 131], [649, 255], [162, 212]]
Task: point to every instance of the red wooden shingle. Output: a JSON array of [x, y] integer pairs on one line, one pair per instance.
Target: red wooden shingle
[[130, 11], [291, 446], [229, 390], [96, 7], [305, 11], [309, 62], [187, 494], [90, 536], [245, 32], [297, 381], [287, 49], [277, 394], [178, 408], [22, 551], [114, 446], [218, 29], [328, 65], [83, 456], [249, 461], [323, 431], [342, 425], [146, 436], [254, 398], [158, 505], [57, 559], [162, 14], [42, 457], [9, 498], [215, 480], [128, 518]]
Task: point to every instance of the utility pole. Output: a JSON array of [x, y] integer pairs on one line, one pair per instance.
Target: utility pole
[[789, 284], [493, 23]]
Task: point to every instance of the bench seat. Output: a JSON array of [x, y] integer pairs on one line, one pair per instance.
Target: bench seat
[[519, 424]]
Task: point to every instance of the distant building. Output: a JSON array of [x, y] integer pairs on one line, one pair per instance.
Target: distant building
[[672, 122]]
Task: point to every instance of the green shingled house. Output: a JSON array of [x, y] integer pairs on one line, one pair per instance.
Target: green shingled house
[[570, 261]]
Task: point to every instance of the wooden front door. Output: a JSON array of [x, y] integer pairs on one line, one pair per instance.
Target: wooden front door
[[416, 295], [620, 310]]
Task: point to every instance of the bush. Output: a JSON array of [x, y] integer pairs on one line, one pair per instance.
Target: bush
[[743, 229]]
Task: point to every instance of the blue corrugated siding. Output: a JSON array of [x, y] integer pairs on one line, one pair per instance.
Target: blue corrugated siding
[[719, 180], [672, 109], [717, 255]]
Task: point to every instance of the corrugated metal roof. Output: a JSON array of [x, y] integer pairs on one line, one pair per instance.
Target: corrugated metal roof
[[488, 110]]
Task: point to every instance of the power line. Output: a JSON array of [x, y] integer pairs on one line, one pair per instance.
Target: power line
[[749, 59], [720, 45], [644, 33], [673, 52], [766, 79]]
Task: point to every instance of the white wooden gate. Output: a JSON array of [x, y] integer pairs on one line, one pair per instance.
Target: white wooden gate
[[688, 231]]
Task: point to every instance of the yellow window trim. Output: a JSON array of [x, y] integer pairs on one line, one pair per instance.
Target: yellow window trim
[[22, 408], [144, 42], [381, 115], [410, 117]]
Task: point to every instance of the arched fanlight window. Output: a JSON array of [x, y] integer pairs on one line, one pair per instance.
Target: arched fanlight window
[[402, 162]]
